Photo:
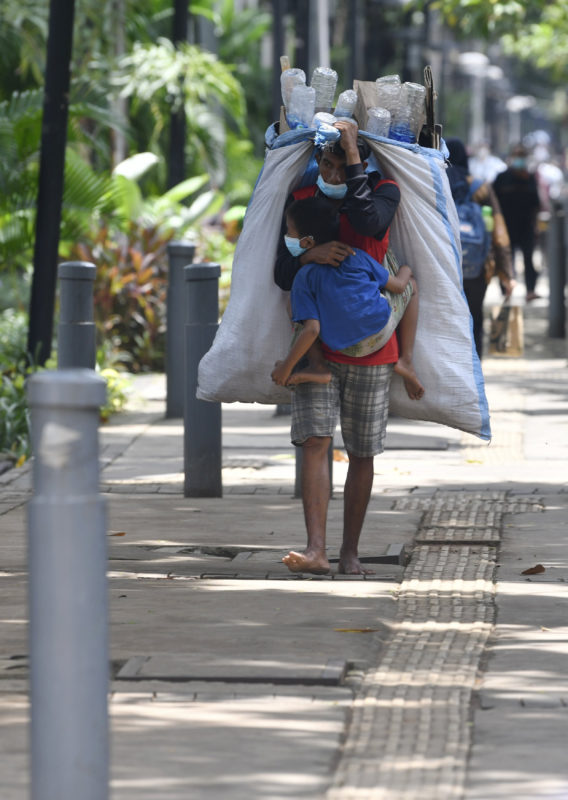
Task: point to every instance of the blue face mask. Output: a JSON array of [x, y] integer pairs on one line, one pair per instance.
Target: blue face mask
[[519, 163], [294, 246], [331, 190]]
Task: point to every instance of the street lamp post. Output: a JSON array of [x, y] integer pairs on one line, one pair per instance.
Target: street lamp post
[[515, 106], [475, 65]]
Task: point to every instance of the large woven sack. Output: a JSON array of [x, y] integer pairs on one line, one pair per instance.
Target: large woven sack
[[255, 329]]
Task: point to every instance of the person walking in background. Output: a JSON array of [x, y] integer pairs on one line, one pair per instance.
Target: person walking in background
[[484, 165], [517, 191], [497, 259]]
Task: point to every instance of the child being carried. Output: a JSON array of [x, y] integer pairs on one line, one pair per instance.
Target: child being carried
[[344, 305]]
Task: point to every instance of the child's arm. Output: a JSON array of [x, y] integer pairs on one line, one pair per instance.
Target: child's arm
[[398, 284], [305, 339]]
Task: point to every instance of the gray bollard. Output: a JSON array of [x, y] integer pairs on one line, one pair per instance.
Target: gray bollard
[[76, 345], [299, 463], [556, 259], [202, 420], [68, 634], [180, 254]]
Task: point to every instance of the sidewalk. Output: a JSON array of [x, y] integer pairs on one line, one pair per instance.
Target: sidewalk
[[439, 678]]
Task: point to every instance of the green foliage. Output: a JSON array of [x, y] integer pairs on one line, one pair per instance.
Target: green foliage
[[488, 18], [544, 42], [14, 372], [160, 78], [130, 290], [238, 35], [14, 418]]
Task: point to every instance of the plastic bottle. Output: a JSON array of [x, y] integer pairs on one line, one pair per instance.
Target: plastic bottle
[[378, 121], [388, 93], [302, 106], [346, 103], [324, 81], [323, 118], [408, 120], [487, 213], [288, 79]]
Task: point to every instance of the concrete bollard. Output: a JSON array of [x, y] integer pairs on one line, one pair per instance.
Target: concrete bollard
[[76, 346], [68, 605], [180, 254], [202, 420], [556, 258]]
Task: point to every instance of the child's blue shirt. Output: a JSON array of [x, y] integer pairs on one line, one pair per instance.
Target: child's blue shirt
[[346, 300]]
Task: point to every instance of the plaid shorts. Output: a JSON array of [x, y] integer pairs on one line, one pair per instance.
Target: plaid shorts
[[357, 395]]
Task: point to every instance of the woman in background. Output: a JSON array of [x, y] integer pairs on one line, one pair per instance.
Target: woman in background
[[499, 260]]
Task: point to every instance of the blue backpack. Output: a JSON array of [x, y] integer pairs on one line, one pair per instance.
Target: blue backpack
[[474, 236]]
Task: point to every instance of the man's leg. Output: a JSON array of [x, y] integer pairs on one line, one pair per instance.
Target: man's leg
[[315, 410], [527, 248], [364, 414], [356, 499], [315, 499]]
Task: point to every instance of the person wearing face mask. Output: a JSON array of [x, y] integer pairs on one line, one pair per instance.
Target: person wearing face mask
[[517, 191], [359, 392], [348, 303], [366, 205]]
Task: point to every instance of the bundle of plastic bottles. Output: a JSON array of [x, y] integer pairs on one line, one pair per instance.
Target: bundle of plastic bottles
[[399, 111]]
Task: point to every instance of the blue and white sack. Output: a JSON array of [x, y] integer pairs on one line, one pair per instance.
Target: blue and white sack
[[255, 330]]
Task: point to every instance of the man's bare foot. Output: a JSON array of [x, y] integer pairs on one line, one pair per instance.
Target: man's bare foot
[[311, 374], [412, 384], [350, 565], [306, 562]]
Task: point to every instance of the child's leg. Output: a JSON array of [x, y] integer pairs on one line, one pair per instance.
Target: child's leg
[[317, 370], [406, 331]]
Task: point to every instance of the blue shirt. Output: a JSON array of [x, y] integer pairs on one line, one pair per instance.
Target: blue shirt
[[346, 300]]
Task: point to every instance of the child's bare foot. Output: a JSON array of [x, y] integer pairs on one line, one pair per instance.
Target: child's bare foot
[[412, 384], [306, 562], [311, 374], [350, 565]]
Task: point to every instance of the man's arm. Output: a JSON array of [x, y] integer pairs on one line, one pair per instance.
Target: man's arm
[[370, 208]]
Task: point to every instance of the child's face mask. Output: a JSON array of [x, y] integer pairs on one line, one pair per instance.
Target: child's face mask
[[294, 246], [335, 191]]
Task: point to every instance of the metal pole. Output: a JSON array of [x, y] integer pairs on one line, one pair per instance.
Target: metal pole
[[180, 254], [76, 345], [202, 420], [556, 258], [277, 51], [178, 125], [50, 181], [68, 636]]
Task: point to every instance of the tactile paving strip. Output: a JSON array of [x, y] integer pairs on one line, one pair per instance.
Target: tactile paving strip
[[409, 737]]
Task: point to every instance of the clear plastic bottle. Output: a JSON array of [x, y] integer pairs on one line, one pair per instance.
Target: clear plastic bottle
[[346, 103], [388, 93], [323, 118], [288, 79], [302, 106], [378, 121], [324, 81], [408, 120]]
